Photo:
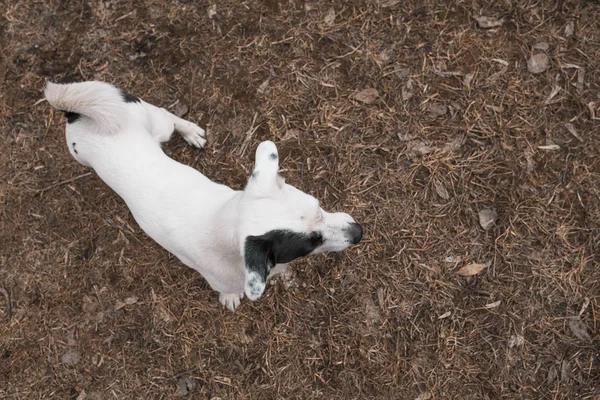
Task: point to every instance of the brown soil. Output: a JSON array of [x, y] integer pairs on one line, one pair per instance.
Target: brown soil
[[90, 308]]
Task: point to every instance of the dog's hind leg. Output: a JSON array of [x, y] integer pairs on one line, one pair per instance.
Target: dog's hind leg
[[162, 124]]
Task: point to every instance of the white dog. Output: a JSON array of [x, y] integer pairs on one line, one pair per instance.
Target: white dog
[[235, 239]]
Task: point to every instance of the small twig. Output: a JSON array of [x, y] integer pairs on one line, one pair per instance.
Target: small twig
[[248, 136], [4, 293], [63, 182]]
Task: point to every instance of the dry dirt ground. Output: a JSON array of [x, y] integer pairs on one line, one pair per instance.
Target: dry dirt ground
[[90, 308]]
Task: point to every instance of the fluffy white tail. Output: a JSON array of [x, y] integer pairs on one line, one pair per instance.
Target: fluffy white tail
[[99, 101]]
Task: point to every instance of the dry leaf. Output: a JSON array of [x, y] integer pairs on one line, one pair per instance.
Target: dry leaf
[[402, 72], [565, 371], [467, 79], [538, 63], [579, 329], [549, 147], [371, 312], [487, 218], [437, 110], [330, 17], [424, 396], [212, 11], [489, 22], [541, 46], [471, 269], [389, 3], [179, 108], [262, 88], [569, 28], [407, 90], [493, 305], [128, 301], [445, 315], [71, 357], [440, 189], [573, 131], [367, 96]]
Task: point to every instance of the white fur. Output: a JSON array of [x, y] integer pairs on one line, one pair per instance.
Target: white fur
[[203, 223]]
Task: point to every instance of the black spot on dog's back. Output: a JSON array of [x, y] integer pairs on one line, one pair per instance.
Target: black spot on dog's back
[[130, 98], [273, 156], [74, 149], [71, 116]]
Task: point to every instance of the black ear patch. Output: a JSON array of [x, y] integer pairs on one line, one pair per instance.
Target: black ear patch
[[261, 253]]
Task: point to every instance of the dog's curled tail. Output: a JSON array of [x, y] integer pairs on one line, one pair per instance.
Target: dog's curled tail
[[100, 101]]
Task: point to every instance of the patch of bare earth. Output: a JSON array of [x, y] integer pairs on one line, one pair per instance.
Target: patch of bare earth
[[415, 117]]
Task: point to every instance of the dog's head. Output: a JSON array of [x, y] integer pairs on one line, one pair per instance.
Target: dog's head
[[281, 223]]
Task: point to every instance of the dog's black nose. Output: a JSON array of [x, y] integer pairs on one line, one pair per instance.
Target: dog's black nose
[[355, 232]]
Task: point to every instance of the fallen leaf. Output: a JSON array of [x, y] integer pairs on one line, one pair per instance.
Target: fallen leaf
[[538, 63], [541, 46], [492, 305], [424, 396], [390, 3], [128, 301], [489, 22], [384, 57], [573, 131], [441, 190], [179, 108], [467, 79], [186, 385], [330, 17], [371, 312], [565, 371], [402, 72], [549, 147], [437, 110], [212, 11], [446, 74], [471, 269], [367, 96], [71, 357], [579, 329], [487, 218], [407, 90], [262, 88], [516, 341], [569, 28], [552, 375], [445, 315]]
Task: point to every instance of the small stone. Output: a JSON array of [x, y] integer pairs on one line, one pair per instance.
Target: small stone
[[541, 46], [538, 63], [487, 218]]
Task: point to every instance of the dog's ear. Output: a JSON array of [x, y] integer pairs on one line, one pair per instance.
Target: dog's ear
[[266, 167], [261, 253]]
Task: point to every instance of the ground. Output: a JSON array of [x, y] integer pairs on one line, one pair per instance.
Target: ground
[[412, 116]]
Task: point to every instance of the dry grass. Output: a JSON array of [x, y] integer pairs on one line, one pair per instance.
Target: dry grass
[[386, 319]]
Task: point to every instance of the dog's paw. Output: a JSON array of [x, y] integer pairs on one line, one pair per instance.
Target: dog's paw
[[231, 300], [192, 133], [255, 285]]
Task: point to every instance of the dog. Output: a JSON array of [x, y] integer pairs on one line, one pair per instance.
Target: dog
[[235, 239]]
